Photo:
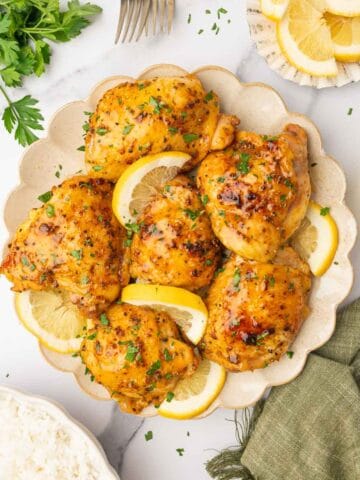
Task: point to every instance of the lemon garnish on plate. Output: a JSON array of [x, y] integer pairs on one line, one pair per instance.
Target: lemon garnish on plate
[[347, 8], [143, 179], [52, 318], [274, 9], [305, 39], [317, 239], [193, 395], [186, 308], [345, 34]]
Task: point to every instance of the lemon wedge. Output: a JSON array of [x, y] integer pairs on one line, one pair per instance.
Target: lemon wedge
[[52, 318], [317, 239], [274, 9], [193, 395], [345, 34], [143, 179], [347, 8], [305, 39], [187, 309]]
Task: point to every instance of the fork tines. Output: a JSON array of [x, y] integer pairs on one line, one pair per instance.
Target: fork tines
[[137, 15]]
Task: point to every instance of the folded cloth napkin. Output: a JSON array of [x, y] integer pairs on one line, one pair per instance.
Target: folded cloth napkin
[[310, 428]]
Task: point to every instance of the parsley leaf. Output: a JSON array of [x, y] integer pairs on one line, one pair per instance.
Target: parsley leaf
[[243, 165], [26, 26]]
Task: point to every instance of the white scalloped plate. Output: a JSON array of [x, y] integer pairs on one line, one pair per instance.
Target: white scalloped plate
[[260, 109], [58, 412]]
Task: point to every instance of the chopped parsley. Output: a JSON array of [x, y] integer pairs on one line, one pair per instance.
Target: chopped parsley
[[76, 254], [133, 227], [81, 148], [167, 355], [154, 368], [132, 351], [220, 179], [127, 129], [220, 11], [104, 319], [173, 130], [50, 211], [97, 168], [92, 336], [148, 435], [200, 31], [350, 111], [289, 184], [205, 199], [180, 451], [189, 18], [102, 131], [25, 261], [243, 165], [192, 214], [170, 396], [208, 262], [219, 270], [84, 280], [236, 279], [290, 354], [324, 211], [190, 137], [156, 104], [45, 197], [283, 198], [209, 96]]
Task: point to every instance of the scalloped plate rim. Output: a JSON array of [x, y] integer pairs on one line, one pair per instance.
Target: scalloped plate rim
[[267, 383]]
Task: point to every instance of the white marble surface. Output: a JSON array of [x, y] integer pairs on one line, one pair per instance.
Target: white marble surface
[[75, 68]]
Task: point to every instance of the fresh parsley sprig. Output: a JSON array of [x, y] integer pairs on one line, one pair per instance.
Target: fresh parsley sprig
[[26, 27]]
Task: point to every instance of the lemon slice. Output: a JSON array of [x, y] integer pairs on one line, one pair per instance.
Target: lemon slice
[[193, 395], [274, 9], [187, 309], [143, 179], [305, 39], [347, 8], [317, 239], [345, 34], [52, 318]]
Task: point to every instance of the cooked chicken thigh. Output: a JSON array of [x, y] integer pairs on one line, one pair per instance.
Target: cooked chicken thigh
[[256, 310], [72, 243], [138, 355], [258, 191], [152, 116], [175, 244]]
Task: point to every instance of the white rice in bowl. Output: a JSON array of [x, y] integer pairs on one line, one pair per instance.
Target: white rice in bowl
[[38, 442]]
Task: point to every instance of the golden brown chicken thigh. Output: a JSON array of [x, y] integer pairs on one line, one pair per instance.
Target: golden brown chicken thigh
[[175, 244], [152, 116], [72, 243], [138, 355], [258, 191], [256, 310]]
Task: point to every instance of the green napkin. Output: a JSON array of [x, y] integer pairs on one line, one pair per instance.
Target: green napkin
[[310, 428]]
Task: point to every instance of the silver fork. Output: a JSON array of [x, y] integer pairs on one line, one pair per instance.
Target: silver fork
[[138, 14]]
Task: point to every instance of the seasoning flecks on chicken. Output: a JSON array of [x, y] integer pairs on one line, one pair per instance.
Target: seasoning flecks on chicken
[[256, 310], [144, 117], [174, 244], [258, 191], [73, 243], [138, 355]]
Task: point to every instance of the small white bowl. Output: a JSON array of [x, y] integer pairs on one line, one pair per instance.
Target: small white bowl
[[56, 411]]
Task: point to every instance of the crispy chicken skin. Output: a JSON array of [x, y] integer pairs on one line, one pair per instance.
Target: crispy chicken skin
[[152, 116], [139, 356], [256, 310], [175, 244], [73, 243], [258, 191]]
